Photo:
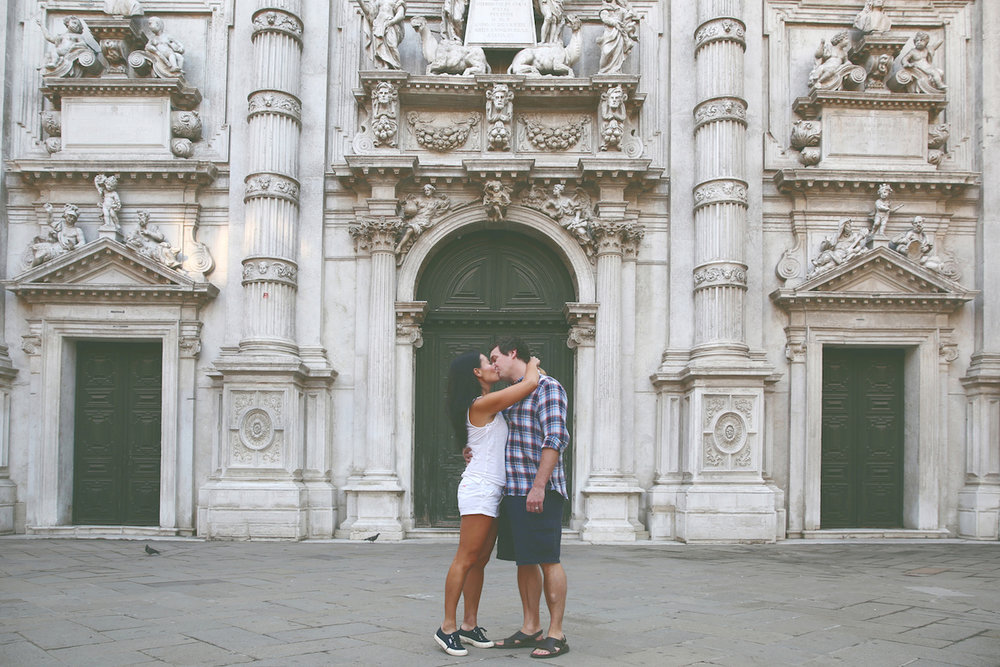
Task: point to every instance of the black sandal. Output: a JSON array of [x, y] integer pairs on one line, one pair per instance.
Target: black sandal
[[552, 645], [519, 640]]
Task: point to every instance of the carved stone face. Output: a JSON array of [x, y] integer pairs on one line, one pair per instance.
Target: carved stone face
[[921, 39], [156, 25], [70, 214], [557, 189], [615, 96], [429, 190], [111, 183], [884, 192], [73, 24], [918, 224], [499, 96], [383, 93]]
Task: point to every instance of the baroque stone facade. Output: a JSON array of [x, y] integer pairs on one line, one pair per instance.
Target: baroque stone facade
[[705, 213]]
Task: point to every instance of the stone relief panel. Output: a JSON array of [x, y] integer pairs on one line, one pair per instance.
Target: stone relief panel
[[729, 433], [443, 132], [256, 429]]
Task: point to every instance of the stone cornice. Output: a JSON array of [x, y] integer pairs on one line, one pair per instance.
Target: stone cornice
[[841, 181], [182, 95], [152, 173], [811, 106]]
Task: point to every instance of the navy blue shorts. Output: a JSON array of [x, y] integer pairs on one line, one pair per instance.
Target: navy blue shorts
[[530, 538]]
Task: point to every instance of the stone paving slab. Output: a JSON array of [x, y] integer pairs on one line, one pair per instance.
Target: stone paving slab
[[105, 602]]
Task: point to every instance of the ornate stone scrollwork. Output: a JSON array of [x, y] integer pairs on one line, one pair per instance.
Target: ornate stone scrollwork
[[937, 143], [722, 29], [616, 236], [409, 318], [435, 136], [272, 20], [948, 351], [274, 102], [256, 429], [723, 108], [721, 191], [31, 344], [806, 136], [790, 266], [728, 274], [582, 318]]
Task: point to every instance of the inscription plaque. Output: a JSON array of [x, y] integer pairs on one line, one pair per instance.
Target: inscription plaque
[[500, 24]]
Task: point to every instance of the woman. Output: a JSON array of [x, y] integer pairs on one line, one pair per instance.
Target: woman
[[474, 413]]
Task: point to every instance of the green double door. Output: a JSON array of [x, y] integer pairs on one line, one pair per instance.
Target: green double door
[[116, 443], [481, 286], [862, 439]]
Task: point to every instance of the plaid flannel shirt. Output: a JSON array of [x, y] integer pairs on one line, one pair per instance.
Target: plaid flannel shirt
[[537, 421]]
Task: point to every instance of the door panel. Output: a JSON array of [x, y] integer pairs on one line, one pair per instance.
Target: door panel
[[116, 448], [479, 287], [862, 439]]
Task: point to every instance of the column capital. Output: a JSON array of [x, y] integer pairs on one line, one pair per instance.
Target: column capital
[[621, 237], [376, 233]]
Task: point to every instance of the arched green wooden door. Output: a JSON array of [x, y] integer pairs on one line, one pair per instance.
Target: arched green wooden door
[[480, 286]]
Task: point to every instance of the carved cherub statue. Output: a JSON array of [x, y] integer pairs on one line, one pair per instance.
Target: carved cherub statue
[[68, 46], [150, 242], [164, 48], [419, 212], [830, 57], [109, 200], [882, 210], [919, 61], [496, 199]]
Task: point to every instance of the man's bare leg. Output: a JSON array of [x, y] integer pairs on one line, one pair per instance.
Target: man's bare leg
[[555, 598], [529, 585]]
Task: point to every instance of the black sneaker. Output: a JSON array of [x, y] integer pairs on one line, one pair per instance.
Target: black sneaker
[[476, 636], [451, 644]]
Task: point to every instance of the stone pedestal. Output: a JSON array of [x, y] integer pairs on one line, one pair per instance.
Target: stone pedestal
[[979, 499]]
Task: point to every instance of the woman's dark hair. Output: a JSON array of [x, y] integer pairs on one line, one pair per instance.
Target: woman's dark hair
[[463, 389]]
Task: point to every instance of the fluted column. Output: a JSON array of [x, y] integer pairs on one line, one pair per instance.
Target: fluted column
[[611, 492], [272, 187], [720, 193]]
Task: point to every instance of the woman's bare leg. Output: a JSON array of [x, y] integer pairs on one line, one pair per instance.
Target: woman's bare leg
[[475, 530]]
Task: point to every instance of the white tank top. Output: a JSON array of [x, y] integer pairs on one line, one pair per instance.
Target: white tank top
[[489, 444]]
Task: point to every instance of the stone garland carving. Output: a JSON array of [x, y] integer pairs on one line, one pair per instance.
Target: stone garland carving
[[720, 275], [721, 30], [496, 199], [550, 58], [621, 33], [419, 212], [385, 112], [109, 200], [499, 114], [720, 192], [270, 271], [613, 117], [273, 21], [557, 138], [274, 185], [56, 238], [806, 136], [383, 31], [937, 143], [149, 241], [441, 138], [449, 55]]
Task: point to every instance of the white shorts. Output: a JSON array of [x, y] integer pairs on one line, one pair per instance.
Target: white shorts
[[479, 496]]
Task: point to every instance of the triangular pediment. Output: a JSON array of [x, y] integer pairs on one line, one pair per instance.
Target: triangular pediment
[[106, 269], [878, 276]]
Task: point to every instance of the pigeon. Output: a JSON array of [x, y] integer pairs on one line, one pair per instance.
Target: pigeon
[[150, 551], [372, 538]]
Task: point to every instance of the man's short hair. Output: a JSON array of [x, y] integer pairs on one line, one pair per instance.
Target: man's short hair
[[508, 343]]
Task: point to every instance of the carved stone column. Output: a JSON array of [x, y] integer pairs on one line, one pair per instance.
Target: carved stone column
[[711, 486], [272, 188], [272, 476], [8, 490], [611, 492], [374, 494], [720, 194], [979, 499]]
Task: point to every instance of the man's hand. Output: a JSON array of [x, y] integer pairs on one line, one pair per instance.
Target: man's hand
[[535, 500], [467, 455]]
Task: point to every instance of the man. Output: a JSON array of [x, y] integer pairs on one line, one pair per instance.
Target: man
[[530, 530]]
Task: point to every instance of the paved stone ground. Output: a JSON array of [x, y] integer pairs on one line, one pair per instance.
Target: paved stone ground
[[106, 603]]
